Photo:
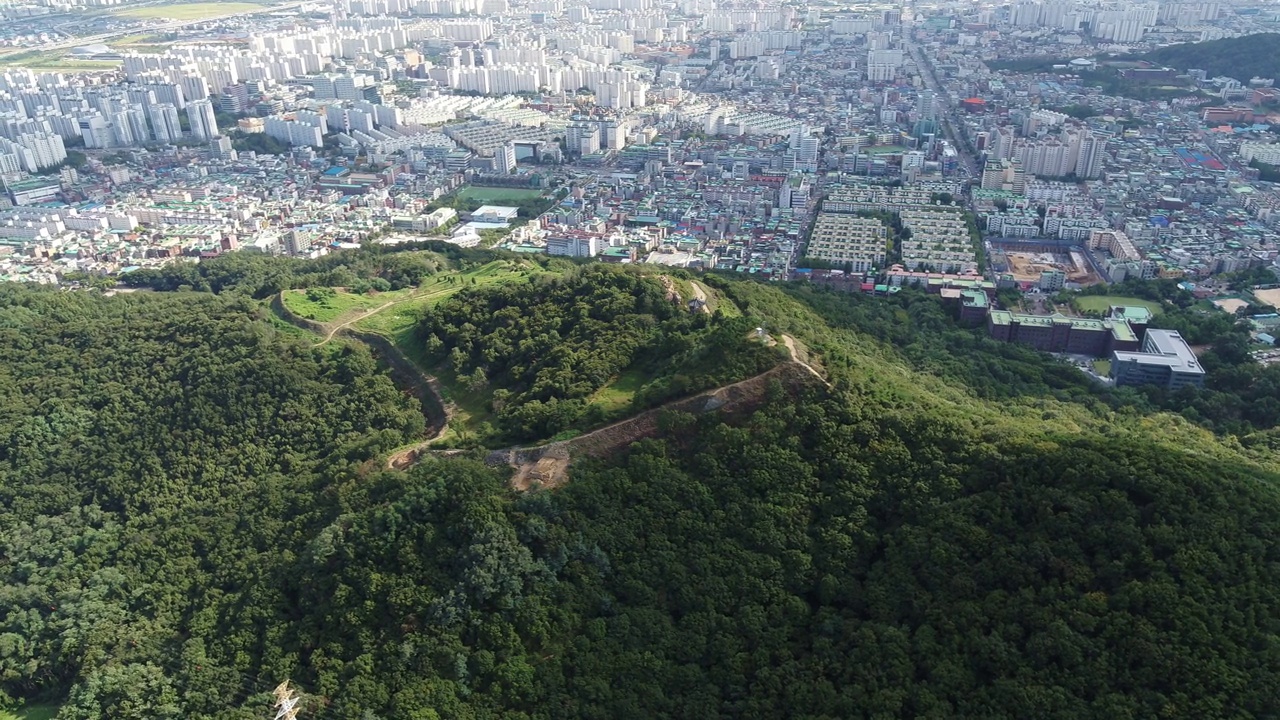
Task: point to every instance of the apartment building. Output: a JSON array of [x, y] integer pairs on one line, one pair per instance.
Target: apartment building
[[861, 242], [940, 241], [1114, 242], [1004, 175], [1263, 152], [856, 197], [574, 243]]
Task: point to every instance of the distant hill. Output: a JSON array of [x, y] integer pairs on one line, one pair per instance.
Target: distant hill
[[1242, 58]]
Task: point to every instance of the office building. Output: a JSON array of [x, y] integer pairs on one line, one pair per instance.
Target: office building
[[1165, 360]]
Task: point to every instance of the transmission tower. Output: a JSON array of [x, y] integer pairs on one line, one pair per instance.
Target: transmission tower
[[286, 702]]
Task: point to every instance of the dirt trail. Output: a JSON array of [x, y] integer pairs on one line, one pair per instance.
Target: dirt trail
[[700, 293], [334, 330], [408, 457], [801, 358]]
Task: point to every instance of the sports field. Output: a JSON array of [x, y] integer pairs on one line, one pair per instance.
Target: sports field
[[189, 11], [496, 194], [1270, 297], [1230, 305], [1100, 303], [1198, 158]]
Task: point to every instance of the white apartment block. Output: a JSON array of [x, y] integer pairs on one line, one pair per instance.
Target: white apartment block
[[294, 132], [203, 120], [860, 242], [940, 241], [31, 152], [1263, 152], [1114, 242]]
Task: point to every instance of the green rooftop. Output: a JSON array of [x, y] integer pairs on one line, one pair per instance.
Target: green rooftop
[[1132, 313]]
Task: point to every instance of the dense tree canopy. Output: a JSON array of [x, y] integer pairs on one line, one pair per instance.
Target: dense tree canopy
[[193, 509], [261, 276], [158, 458], [545, 346], [1243, 58]]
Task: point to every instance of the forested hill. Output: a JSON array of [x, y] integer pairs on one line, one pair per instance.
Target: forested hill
[[1242, 58], [545, 348], [192, 510]]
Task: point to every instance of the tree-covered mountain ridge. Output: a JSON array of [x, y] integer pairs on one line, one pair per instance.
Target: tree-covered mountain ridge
[[1242, 58], [192, 509], [865, 366]]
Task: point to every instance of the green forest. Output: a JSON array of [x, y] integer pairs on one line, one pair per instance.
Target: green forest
[[541, 349], [1242, 58], [194, 507]]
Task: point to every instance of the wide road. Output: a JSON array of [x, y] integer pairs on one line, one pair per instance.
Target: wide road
[[948, 114]]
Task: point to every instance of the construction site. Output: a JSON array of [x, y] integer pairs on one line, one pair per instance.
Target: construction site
[[1026, 261]]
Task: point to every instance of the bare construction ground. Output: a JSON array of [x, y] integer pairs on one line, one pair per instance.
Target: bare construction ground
[[1027, 266]]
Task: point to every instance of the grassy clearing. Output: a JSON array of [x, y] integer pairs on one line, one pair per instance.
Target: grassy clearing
[[684, 287], [331, 307], [152, 49], [284, 327], [496, 195], [142, 42], [1102, 367], [60, 60], [397, 322], [619, 393], [189, 11], [1100, 303], [31, 712], [716, 301]]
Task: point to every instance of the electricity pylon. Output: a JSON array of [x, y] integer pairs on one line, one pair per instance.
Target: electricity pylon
[[286, 702]]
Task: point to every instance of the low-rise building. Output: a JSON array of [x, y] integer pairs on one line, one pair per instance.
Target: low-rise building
[[1058, 333], [495, 214], [860, 242]]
